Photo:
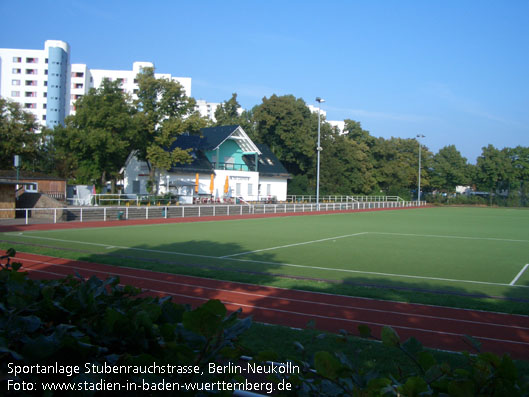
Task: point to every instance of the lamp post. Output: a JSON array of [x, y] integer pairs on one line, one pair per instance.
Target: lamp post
[[318, 149], [16, 163], [419, 136]]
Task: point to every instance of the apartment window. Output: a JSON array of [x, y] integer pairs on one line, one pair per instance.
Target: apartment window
[[30, 94], [15, 82], [17, 71], [77, 74], [31, 71], [31, 82], [45, 83], [44, 117], [44, 106], [17, 59], [31, 188], [15, 93], [78, 85], [32, 60], [46, 60], [45, 94], [30, 105], [46, 72]]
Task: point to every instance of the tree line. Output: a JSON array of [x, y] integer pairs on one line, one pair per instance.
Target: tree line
[[108, 124]]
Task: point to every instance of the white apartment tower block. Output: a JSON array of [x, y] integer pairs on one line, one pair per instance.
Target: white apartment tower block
[[46, 84], [38, 80]]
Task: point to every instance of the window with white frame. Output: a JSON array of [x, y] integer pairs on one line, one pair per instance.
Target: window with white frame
[[32, 188], [250, 189]]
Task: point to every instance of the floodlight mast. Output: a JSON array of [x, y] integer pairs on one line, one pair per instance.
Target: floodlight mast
[[419, 136], [318, 149]]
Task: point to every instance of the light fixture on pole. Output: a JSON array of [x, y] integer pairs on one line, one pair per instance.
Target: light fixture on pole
[[419, 136], [318, 149]]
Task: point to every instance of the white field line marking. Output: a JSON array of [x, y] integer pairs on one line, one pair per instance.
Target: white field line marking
[[519, 275], [297, 290], [294, 245], [107, 246], [455, 237], [290, 264], [310, 302]]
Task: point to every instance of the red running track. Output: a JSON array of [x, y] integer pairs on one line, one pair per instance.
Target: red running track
[[435, 326]]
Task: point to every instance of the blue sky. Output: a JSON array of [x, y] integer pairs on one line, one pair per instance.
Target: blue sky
[[455, 71]]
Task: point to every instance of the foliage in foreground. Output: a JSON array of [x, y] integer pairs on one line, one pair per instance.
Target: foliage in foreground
[[72, 322]]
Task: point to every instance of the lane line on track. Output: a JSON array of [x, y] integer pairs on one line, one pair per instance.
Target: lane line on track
[[291, 312], [303, 301]]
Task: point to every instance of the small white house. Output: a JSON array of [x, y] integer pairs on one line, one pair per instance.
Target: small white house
[[226, 164]]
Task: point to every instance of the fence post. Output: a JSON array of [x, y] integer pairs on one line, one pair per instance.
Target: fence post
[[213, 210], [165, 212], [81, 215], [105, 213], [228, 212], [147, 212], [27, 213], [127, 213], [199, 211], [55, 215]]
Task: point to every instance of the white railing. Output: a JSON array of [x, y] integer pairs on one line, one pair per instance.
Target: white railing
[[341, 199], [87, 214]]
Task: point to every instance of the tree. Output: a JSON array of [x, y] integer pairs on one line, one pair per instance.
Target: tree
[[494, 170], [346, 167], [519, 157], [17, 135], [96, 141], [227, 113], [165, 111], [396, 163], [449, 169], [287, 126]]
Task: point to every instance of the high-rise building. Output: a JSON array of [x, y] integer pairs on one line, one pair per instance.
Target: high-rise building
[[38, 79], [46, 84]]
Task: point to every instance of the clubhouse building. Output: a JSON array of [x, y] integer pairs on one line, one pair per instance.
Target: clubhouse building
[[227, 166]]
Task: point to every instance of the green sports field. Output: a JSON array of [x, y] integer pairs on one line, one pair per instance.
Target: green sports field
[[450, 254]]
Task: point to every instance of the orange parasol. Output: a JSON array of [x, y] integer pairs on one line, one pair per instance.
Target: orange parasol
[[212, 184], [226, 186], [196, 183]]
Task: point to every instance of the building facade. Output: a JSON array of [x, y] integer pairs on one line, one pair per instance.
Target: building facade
[[226, 165], [46, 84], [38, 80]]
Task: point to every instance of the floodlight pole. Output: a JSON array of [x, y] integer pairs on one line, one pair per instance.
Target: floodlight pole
[[419, 136], [318, 149], [16, 162]]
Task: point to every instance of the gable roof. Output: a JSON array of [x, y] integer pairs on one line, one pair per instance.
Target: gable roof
[[216, 136], [269, 164]]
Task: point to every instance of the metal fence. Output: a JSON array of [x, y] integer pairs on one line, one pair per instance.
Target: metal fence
[[88, 214], [340, 199]]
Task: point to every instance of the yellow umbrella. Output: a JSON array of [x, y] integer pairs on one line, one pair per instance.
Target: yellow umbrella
[[212, 183], [226, 186], [196, 183]]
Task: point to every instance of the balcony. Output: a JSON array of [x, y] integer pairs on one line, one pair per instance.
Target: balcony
[[232, 167]]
